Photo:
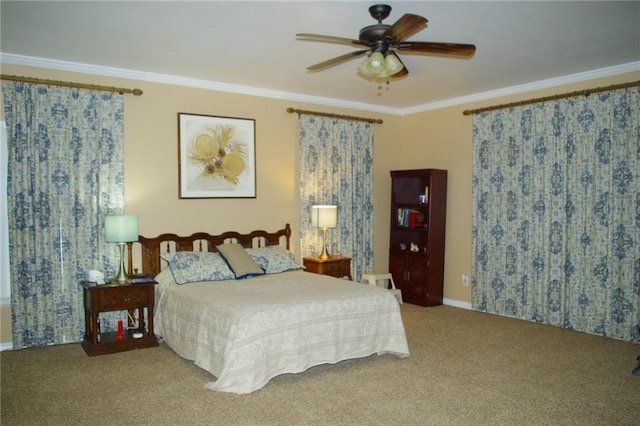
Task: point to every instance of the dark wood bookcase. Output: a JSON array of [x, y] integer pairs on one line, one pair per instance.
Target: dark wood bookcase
[[417, 234]]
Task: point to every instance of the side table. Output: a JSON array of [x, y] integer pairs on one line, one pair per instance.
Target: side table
[[118, 297]]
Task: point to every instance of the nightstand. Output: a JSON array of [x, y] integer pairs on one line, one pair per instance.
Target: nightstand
[[117, 297], [335, 266]]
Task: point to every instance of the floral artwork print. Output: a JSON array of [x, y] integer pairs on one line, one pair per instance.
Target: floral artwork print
[[217, 157]]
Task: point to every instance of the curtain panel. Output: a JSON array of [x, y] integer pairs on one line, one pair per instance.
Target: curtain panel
[[336, 168], [556, 213], [65, 174]]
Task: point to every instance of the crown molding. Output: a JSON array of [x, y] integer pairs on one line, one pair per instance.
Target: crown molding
[[296, 97], [529, 87], [187, 82]]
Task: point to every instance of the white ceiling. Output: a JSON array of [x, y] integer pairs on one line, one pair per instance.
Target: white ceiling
[[251, 47]]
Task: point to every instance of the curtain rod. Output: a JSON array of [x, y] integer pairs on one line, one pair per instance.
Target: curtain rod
[[326, 114], [586, 92], [120, 90]]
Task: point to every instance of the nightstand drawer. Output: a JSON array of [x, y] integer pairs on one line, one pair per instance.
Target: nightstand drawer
[[113, 298], [334, 267], [337, 266]]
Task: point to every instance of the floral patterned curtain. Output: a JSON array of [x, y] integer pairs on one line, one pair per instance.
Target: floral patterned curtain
[[336, 168], [65, 174], [556, 213]]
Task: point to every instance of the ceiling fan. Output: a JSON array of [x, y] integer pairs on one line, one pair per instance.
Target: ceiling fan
[[383, 41]]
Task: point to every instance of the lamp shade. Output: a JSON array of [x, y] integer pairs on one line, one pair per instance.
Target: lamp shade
[[324, 216], [392, 64], [376, 61], [373, 65], [121, 229]]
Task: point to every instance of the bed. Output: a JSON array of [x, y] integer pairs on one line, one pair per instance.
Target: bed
[[246, 324]]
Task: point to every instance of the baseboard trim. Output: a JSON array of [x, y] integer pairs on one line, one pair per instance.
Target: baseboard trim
[[6, 346], [456, 303]]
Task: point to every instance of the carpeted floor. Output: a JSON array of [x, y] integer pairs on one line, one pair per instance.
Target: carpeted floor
[[465, 368]]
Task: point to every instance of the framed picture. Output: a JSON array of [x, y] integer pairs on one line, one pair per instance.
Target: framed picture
[[217, 156]]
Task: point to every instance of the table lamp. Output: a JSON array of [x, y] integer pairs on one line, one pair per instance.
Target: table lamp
[[324, 217], [121, 230]]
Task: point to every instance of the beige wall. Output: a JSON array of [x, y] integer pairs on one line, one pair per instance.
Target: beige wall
[[442, 139], [433, 139]]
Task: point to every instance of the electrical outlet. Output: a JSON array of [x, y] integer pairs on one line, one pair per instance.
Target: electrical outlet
[[465, 279]]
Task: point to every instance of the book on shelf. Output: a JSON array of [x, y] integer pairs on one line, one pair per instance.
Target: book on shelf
[[408, 218]]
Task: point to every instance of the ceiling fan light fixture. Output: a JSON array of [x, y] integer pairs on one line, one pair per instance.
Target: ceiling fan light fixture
[[378, 66]]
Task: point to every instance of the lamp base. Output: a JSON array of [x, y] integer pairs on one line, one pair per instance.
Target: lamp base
[[324, 255], [122, 277]]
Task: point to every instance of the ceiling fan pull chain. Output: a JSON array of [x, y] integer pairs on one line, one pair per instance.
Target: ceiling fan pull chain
[[386, 86]]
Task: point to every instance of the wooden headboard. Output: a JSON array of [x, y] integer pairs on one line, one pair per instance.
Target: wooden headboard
[[152, 248]]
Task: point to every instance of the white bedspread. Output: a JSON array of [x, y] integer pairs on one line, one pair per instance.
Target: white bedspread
[[246, 332]]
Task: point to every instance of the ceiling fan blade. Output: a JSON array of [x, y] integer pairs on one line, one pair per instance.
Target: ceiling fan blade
[[337, 60], [330, 39], [405, 27], [447, 49]]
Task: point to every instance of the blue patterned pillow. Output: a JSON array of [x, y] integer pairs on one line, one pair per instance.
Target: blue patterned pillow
[[274, 259], [194, 266]]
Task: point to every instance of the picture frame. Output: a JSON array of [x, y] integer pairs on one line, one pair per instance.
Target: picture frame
[[216, 156]]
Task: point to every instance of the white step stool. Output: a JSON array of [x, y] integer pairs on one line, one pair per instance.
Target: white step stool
[[373, 279]]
